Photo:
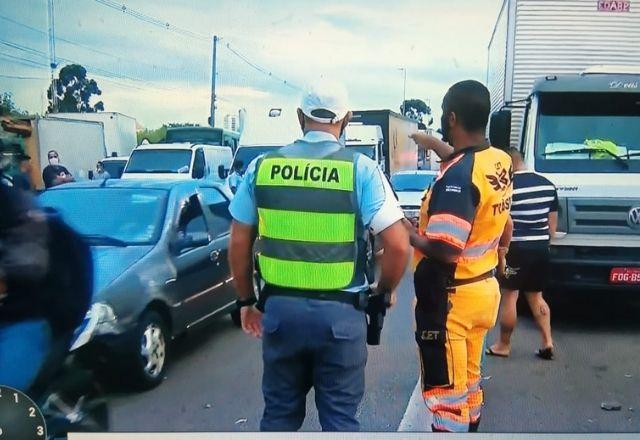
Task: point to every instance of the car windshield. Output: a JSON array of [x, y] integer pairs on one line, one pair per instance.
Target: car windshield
[[159, 161], [114, 167], [368, 151], [97, 213], [245, 155], [588, 133], [411, 182]]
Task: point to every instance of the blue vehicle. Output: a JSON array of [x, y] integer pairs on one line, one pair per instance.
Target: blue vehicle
[[160, 260]]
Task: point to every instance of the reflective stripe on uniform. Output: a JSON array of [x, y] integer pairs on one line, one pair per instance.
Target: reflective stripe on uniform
[[305, 275], [306, 226], [478, 250], [448, 228]]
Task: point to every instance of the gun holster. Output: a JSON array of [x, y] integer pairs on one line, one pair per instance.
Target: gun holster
[[376, 309]]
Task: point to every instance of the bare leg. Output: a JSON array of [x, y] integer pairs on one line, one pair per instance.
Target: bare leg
[[542, 315], [508, 319]]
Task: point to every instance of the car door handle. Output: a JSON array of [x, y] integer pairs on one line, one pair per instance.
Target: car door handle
[[213, 256]]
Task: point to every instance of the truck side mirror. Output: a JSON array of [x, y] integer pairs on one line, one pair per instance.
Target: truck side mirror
[[500, 129]]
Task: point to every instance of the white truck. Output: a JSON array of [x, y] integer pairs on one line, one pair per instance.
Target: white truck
[[80, 145], [578, 125], [119, 130], [366, 139]]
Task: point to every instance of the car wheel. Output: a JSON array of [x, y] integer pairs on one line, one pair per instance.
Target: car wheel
[[235, 317], [149, 351]]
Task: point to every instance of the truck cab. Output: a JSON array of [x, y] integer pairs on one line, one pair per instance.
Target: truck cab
[[366, 139], [582, 132]]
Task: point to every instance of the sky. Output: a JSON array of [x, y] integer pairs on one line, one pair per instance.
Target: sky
[[160, 76]]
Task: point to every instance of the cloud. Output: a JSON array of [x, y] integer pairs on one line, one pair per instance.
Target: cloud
[[361, 43]]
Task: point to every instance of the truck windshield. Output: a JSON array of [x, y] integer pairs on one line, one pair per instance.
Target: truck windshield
[[588, 133], [159, 161]]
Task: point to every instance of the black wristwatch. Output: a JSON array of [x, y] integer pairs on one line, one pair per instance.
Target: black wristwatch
[[240, 303]]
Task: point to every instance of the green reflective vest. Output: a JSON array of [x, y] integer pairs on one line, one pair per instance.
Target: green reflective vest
[[308, 229]]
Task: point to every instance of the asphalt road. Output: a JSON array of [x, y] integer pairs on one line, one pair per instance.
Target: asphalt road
[[220, 366], [213, 383]]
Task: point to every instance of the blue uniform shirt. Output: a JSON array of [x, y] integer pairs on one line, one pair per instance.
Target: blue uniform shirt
[[377, 205]]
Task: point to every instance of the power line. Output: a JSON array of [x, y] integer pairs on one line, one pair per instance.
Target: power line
[[166, 25], [153, 20], [260, 69], [2, 75], [84, 46], [104, 72]]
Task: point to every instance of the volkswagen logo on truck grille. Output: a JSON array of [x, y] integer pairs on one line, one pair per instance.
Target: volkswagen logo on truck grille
[[634, 217]]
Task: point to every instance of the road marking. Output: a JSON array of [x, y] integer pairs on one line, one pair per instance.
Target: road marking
[[416, 417]]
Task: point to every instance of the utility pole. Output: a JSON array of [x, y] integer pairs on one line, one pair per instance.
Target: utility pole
[[404, 90], [52, 56], [212, 120]]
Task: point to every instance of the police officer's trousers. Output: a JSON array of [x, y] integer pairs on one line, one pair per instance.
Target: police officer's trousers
[[312, 343], [451, 328]]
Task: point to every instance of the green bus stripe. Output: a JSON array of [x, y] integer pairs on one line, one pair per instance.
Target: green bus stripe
[[306, 226], [307, 173], [304, 199], [305, 275], [306, 251]]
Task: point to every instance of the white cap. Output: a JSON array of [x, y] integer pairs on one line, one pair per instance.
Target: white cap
[[328, 96]]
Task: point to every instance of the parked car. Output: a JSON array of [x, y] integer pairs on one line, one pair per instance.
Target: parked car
[[410, 187], [160, 270], [115, 165], [179, 161]]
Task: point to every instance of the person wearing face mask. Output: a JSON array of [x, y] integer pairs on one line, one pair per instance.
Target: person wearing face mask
[[307, 208], [463, 222], [55, 174]]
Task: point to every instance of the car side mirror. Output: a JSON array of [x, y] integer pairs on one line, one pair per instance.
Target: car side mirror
[[223, 172], [500, 129]]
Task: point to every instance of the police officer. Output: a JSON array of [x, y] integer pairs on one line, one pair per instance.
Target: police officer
[[307, 208], [462, 223]]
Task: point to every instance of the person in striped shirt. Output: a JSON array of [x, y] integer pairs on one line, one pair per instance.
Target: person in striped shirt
[[534, 211]]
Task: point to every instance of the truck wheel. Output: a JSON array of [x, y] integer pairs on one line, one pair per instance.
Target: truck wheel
[[148, 359]]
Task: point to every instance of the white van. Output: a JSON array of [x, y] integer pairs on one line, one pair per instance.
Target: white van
[[179, 161]]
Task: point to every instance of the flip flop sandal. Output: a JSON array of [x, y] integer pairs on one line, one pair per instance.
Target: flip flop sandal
[[490, 352], [545, 353]]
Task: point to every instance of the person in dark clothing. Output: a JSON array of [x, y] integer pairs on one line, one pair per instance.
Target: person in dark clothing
[[55, 174], [25, 334], [22, 179]]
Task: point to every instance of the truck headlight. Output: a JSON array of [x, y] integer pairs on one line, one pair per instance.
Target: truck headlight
[[99, 320]]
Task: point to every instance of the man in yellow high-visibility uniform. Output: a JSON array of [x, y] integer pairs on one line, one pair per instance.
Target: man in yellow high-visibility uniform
[[456, 290]]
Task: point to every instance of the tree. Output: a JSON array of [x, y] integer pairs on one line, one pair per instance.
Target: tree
[[8, 106], [153, 136], [74, 91], [417, 109]]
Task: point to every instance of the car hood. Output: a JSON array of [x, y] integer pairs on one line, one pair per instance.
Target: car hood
[[110, 262], [410, 198]]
